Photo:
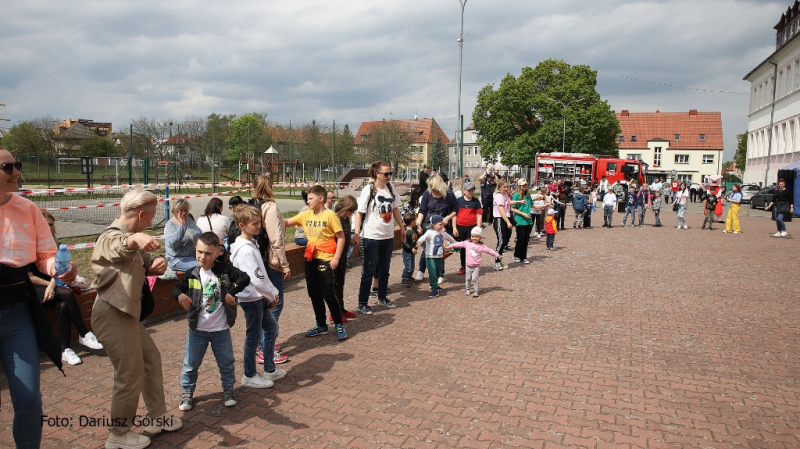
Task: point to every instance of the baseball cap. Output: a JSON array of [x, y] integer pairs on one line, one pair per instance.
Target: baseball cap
[[469, 186], [436, 218], [522, 182]]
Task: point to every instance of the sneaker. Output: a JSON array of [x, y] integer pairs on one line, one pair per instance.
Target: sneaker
[[777, 234], [633, 225], [419, 276], [256, 382], [348, 314], [341, 334], [784, 234], [735, 232], [330, 318], [70, 357], [164, 423], [475, 295], [440, 280], [724, 231], [434, 293], [685, 227], [260, 357], [525, 261], [517, 260], [128, 440], [90, 341], [229, 397], [538, 236], [675, 228], [278, 374], [387, 303], [498, 266], [461, 271], [364, 309], [316, 330], [467, 292], [186, 402], [277, 348], [278, 358]]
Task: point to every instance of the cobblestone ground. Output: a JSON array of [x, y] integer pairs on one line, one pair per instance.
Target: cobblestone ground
[[626, 337]]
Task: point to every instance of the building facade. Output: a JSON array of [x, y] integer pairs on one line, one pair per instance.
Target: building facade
[[773, 125], [688, 144], [425, 134]]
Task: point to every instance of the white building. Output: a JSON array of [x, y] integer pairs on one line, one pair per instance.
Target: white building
[[773, 125], [474, 164]]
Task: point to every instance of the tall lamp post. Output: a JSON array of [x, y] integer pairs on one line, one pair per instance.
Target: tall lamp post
[[459, 117], [564, 133]]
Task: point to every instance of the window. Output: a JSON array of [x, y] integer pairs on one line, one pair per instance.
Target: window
[[708, 158], [365, 136], [635, 157], [702, 137], [677, 137], [657, 157], [621, 138], [455, 151], [685, 178], [633, 138], [681, 158]]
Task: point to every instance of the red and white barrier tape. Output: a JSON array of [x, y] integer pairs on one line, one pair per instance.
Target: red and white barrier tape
[[120, 187], [160, 200]]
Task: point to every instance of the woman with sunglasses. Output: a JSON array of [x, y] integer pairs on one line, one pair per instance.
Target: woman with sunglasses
[[24, 330]]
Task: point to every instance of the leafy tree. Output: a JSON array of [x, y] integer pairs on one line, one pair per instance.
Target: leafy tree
[[156, 131], [741, 151], [390, 143], [97, 146], [439, 156], [215, 137], [193, 128], [247, 132], [523, 116], [345, 152], [27, 139]]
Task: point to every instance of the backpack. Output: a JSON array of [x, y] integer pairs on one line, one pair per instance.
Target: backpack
[[374, 191], [261, 239]]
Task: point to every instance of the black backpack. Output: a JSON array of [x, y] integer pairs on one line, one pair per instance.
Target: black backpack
[[261, 239]]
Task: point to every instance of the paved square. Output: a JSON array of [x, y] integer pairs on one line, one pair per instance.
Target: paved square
[[635, 337]]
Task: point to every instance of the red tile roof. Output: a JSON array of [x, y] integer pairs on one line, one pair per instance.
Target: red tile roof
[[665, 125], [425, 130]]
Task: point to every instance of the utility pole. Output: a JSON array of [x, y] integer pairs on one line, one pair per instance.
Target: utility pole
[[460, 70]]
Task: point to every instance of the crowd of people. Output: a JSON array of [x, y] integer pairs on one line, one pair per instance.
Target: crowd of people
[[241, 261]]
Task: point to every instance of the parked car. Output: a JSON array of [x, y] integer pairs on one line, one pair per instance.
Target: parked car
[[748, 190], [762, 198]]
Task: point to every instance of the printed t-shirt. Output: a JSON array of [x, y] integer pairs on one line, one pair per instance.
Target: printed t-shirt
[[212, 316], [320, 230], [378, 223]]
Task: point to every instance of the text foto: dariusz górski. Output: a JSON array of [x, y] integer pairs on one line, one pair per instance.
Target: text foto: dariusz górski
[[103, 421]]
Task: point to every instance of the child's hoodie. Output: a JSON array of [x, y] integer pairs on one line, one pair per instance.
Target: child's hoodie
[[473, 251], [246, 257], [550, 226]]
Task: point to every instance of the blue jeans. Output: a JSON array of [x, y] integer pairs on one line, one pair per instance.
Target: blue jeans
[[276, 277], [183, 263], [196, 345], [260, 328], [779, 221], [408, 265], [20, 358], [629, 210], [377, 258]]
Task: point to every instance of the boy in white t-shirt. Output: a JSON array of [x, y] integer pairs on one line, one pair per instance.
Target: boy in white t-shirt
[[433, 241], [208, 293]]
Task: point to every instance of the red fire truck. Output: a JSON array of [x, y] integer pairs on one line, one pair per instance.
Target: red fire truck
[[590, 168]]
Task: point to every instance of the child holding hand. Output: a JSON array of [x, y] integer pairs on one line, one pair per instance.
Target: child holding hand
[[473, 250], [433, 241]]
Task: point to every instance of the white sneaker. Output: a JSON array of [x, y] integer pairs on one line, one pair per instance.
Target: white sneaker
[[685, 227], [675, 228], [735, 232], [128, 440], [440, 280], [525, 261], [164, 423], [467, 292], [257, 382], [784, 234], [777, 234], [275, 375], [70, 357], [475, 295], [538, 236], [724, 231], [90, 341], [517, 260], [418, 276]]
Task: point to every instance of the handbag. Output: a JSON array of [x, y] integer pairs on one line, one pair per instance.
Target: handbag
[[675, 206]]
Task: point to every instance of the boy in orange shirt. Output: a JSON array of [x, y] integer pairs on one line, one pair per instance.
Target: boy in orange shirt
[[323, 253]]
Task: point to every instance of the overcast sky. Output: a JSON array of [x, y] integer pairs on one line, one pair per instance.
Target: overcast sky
[[358, 60]]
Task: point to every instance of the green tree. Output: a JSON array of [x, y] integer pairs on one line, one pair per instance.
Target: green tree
[[27, 139], [215, 137], [97, 146], [524, 115], [390, 143], [252, 128], [740, 158], [439, 156]]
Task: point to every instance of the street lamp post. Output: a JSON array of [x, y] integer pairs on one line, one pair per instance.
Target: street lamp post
[[564, 132], [459, 117]]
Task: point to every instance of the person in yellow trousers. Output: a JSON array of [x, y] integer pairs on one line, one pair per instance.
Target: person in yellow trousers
[[732, 222]]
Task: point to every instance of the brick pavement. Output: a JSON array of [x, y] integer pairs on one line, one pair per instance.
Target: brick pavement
[[621, 338]]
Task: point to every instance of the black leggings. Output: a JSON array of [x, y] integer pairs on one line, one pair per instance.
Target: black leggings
[[503, 233], [67, 311]]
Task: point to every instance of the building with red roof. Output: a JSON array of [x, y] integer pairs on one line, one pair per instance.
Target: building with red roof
[[689, 143], [425, 133]]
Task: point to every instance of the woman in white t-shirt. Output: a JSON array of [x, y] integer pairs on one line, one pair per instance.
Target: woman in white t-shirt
[[213, 220], [682, 200], [378, 209]]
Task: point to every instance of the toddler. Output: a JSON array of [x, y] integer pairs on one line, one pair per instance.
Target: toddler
[[473, 249], [433, 240], [550, 228], [409, 250], [657, 209]]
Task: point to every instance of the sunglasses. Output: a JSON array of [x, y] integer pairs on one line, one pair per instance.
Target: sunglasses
[[388, 173], [9, 167]]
